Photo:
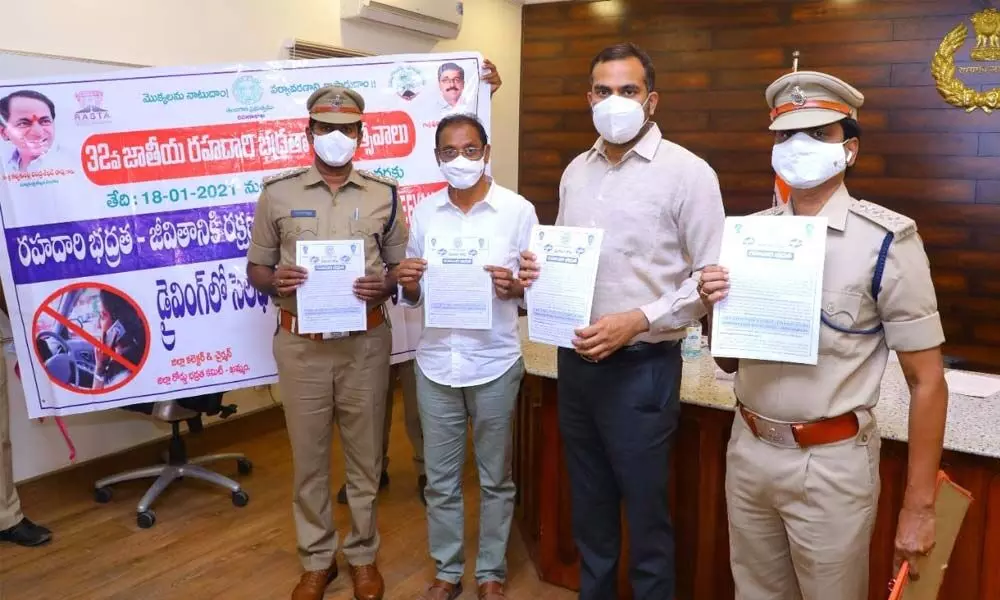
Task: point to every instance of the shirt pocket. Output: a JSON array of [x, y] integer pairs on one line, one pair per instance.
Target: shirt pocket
[[368, 230], [294, 229], [842, 310]]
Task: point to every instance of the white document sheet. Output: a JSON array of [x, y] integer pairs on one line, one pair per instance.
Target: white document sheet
[[326, 302], [458, 291], [560, 300], [776, 289], [971, 384]]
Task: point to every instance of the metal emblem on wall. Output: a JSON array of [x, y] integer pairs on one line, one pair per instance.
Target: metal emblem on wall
[[986, 49]]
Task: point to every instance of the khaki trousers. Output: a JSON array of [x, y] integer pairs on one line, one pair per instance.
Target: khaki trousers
[[405, 374], [10, 504], [340, 381], [800, 521]]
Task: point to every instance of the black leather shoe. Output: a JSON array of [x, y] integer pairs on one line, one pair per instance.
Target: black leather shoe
[[27, 534], [382, 484], [421, 487]]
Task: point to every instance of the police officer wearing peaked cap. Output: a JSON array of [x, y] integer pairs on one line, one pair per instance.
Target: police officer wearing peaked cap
[[334, 376], [802, 477]]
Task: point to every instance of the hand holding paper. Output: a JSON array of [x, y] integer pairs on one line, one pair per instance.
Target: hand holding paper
[[771, 309], [327, 302], [458, 291], [560, 294], [505, 284]]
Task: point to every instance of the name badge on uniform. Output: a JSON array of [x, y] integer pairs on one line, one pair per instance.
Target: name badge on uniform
[[303, 213]]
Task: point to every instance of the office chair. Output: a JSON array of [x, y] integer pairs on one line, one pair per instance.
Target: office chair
[[176, 463]]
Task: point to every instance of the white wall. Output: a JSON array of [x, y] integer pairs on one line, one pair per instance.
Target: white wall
[[191, 32]]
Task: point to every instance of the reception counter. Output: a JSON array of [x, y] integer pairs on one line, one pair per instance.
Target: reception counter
[[697, 492]]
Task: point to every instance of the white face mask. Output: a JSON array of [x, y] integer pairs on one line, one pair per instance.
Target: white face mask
[[805, 162], [335, 148], [463, 173], [619, 119]]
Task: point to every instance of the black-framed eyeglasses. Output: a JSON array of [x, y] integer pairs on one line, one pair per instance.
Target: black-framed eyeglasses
[[469, 152]]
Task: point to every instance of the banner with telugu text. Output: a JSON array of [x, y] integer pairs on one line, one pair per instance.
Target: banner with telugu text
[[127, 201]]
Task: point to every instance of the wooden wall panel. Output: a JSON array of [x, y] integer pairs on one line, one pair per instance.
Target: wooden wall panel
[[714, 58], [696, 497]]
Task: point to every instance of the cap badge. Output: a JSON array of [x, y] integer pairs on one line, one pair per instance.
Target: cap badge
[[338, 101], [798, 96]]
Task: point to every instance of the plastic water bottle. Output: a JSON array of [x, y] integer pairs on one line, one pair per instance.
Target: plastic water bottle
[[691, 346]]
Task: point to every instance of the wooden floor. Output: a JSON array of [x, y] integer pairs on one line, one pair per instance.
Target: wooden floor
[[202, 547]]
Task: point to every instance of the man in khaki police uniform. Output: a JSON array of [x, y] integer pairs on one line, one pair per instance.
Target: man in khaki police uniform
[[802, 480], [14, 526], [336, 376]]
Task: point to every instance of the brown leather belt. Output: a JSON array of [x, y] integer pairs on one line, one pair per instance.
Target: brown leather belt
[[289, 322], [801, 435]]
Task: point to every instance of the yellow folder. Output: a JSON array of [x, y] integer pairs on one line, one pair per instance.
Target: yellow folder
[[950, 505]]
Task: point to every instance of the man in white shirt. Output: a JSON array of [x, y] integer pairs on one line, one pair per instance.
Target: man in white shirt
[[469, 375], [619, 388]]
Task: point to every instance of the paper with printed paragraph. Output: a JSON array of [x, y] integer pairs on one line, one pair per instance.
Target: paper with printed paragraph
[[561, 299], [326, 302], [772, 311], [458, 291]]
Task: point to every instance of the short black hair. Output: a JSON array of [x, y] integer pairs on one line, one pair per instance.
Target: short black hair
[[460, 119], [450, 66], [852, 129], [32, 94], [623, 51]]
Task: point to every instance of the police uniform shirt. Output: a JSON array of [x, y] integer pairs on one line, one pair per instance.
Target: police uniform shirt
[[299, 205], [850, 367]]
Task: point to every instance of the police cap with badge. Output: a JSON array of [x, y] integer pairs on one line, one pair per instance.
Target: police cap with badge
[[808, 99], [335, 105]]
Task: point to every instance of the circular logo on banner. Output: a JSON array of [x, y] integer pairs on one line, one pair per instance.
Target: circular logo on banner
[[248, 90], [407, 81], [90, 338]]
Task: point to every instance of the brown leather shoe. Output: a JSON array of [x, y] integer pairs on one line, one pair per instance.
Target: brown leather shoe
[[491, 590], [368, 584], [442, 590], [312, 585]]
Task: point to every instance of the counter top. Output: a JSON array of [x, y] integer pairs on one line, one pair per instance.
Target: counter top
[[973, 425]]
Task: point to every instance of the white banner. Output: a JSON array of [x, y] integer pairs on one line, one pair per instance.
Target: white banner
[[127, 200]]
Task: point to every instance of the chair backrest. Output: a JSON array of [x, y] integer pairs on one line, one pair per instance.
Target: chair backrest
[[184, 409], [209, 404], [172, 411]]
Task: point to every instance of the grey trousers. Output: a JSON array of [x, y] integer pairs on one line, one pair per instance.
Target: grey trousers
[[445, 413]]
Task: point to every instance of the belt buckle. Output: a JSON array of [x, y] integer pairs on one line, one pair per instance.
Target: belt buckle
[[775, 433], [335, 335]]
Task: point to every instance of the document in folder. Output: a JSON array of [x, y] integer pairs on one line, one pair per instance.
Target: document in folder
[[950, 506]]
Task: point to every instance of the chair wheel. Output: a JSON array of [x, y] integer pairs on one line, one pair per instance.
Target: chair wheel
[[146, 519], [240, 498], [102, 495], [244, 466]]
